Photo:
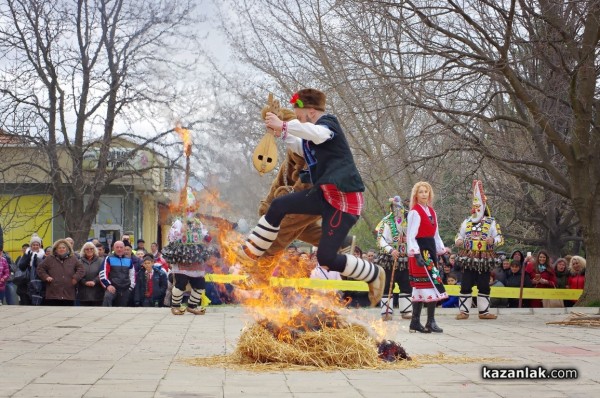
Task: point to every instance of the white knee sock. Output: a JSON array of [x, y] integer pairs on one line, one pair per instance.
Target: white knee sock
[[464, 303], [483, 304], [195, 298], [405, 304], [261, 237], [385, 307], [176, 297], [359, 269]]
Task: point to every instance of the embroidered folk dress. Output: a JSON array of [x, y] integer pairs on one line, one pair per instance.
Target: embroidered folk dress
[[423, 237]]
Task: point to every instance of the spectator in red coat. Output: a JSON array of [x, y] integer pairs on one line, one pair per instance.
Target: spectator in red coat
[[576, 278], [542, 275]]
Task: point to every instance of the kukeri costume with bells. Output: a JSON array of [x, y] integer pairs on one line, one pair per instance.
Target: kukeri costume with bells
[[476, 255], [391, 235], [185, 252]]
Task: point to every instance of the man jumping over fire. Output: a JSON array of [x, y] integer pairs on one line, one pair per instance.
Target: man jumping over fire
[[336, 194]]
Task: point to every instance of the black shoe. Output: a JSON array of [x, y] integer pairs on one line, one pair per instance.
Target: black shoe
[[415, 323], [431, 325], [417, 327]]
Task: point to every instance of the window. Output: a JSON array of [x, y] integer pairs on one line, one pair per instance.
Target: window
[[110, 211]]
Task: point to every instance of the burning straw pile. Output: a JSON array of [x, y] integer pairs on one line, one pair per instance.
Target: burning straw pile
[[313, 337], [309, 336], [349, 347], [579, 319]]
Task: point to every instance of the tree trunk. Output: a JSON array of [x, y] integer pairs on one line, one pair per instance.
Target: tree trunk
[[79, 217], [590, 222]]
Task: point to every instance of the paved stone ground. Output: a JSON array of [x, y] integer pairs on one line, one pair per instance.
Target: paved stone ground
[[136, 352]]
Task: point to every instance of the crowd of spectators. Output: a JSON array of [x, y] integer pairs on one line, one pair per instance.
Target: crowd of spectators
[[530, 271], [93, 276], [126, 276]]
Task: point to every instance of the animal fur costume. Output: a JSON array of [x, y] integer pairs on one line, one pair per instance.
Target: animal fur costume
[[306, 228]]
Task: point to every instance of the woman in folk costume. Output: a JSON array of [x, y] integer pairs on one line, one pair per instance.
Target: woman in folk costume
[[391, 239], [476, 240], [424, 245], [336, 194]]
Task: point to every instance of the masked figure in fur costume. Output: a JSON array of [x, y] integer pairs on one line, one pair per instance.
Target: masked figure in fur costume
[[391, 239], [479, 235], [336, 194]]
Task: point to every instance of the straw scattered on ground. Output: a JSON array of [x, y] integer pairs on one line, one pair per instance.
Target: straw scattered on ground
[[327, 349], [579, 319]]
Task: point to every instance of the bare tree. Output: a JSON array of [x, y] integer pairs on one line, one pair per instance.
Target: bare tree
[[305, 43], [535, 217], [515, 81], [442, 92], [81, 76]]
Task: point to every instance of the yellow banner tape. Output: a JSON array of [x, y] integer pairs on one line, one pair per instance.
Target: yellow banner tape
[[453, 290]]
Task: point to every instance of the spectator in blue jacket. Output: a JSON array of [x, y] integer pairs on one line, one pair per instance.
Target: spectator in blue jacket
[[496, 302], [137, 263], [117, 276], [451, 301]]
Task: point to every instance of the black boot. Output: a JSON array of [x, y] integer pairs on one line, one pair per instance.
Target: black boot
[[431, 325], [415, 323]]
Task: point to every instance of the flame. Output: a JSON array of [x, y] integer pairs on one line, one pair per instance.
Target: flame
[[287, 311], [186, 137], [184, 202], [211, 201], [284, 310]]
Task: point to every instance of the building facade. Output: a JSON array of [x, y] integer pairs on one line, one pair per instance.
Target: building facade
[[128, 205]]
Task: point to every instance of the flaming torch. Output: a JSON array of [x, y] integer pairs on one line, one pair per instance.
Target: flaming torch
[[185, 136]]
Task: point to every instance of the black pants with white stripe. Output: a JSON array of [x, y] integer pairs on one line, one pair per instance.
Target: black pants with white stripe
[[335, 225]]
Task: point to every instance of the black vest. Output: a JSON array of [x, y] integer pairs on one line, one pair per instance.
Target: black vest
[[331, 162]]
